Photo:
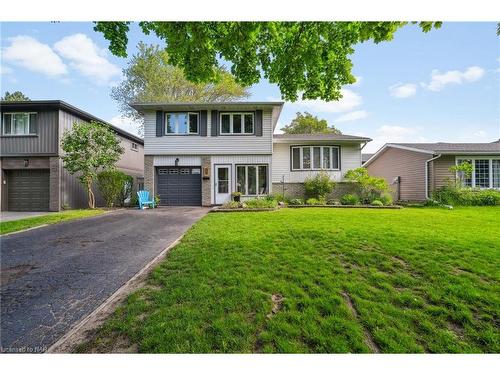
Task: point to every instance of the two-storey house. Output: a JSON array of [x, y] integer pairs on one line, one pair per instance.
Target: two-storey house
[[32, 174], [198, 154]]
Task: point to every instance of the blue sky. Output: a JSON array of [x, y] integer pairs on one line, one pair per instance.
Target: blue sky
[[439, 86]]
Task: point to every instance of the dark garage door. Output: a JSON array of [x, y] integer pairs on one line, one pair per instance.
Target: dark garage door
[[28, 190], [179, 186]]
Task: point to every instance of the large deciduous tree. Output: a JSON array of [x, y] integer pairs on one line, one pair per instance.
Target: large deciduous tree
[[149, 77], [307, 59], [90, 148], [309, 124], [16, 96]]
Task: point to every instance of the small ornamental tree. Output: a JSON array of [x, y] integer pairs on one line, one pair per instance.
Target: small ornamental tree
[[319, 186], [90, 148], [113, 185], [463, 172], [371, 187]]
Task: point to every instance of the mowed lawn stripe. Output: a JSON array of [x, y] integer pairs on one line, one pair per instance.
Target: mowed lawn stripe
[[417, 280]]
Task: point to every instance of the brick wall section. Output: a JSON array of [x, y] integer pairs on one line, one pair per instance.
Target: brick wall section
[[55, 184], [206, 183], [296, 190], [149, 174]]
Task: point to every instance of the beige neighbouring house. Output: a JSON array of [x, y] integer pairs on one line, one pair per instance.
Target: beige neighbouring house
[[414, 170]]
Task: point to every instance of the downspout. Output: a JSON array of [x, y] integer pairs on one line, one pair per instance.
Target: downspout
[[427, 175]]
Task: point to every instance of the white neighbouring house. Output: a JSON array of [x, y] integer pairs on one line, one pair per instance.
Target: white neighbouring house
[[198, 154]]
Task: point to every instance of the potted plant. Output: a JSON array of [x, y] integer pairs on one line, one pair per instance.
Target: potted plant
[[236, 196]]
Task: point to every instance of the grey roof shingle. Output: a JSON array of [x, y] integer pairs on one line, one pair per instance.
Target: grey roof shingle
[[320, 137], [441, 147]]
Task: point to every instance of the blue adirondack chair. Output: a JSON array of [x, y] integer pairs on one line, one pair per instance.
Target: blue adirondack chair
[[144, 199]]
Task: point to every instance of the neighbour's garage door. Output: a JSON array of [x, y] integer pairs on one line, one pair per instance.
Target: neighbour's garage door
[[179, 186], [28, 190]]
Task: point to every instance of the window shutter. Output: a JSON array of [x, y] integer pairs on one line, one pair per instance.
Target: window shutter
[[203, 123], [7, 127], [215, 123], [33, 124], [258, 123], [160, 123]]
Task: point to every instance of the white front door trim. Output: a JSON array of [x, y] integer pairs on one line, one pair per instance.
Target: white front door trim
[[222, 183]]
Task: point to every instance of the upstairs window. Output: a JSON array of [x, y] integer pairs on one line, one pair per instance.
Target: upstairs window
[[181, 123], [236, 123], [134, 146], [19, 124], [315, 158]]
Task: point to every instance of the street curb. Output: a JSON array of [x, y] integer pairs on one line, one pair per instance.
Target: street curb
[[97, 317]]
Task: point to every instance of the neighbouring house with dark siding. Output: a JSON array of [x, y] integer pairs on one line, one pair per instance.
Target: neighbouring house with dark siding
[[414, 170], [32, 174]]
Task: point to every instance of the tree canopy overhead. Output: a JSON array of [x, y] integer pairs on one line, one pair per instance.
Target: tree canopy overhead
[[149, 77], [306, 59], [309, 124]]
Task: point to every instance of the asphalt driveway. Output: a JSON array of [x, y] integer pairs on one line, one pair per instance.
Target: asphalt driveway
[[54, 276]]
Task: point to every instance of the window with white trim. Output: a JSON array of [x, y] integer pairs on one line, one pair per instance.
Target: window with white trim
[[315, 158], [181, 123], [19, 123], [252, 179], [485, 172], [236, 123], [134, 146]]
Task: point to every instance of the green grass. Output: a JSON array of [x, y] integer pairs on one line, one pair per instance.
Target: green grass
[[30, 222], [411, 280]]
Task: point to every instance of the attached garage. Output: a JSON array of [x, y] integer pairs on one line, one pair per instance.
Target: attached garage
[[179, 186], [28, 190]]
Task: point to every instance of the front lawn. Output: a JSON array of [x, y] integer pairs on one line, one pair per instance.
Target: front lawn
[[321, 280], [30, 222]]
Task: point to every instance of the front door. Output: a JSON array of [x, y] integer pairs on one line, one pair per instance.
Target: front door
[[222, 183]]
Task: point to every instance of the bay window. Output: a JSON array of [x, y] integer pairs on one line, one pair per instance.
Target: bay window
[[252, 179], [19, 123], [236, 123], [485, 172], [315, 158], [178, 123]]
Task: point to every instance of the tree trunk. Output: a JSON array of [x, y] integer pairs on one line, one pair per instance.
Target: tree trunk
[[91, 197]]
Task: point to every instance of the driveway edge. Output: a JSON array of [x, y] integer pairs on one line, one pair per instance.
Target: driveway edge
[[97, 317]]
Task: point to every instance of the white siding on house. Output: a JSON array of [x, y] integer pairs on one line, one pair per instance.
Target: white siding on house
[[350, 158], [233, 160], [197, 145], [184, 161]]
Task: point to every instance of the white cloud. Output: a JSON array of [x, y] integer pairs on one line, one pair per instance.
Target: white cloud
[[403, 90], [29, 53], [440, 80], [87, 58], [351, 116], [393, 134], [348, 102], [126, 124], [5, 70]]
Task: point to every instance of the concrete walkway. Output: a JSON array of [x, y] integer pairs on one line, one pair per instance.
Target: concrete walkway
[[56, 275], [13, 215]]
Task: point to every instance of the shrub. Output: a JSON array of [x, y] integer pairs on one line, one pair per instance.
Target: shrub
[[296, 202], [261, 203], [319, 186], [134, 200], [157, 200], [349, 199], [313, 202], [377, 202], [457, 196], [126, 191], [371, 187], [277, 197], [232, 205], [386, 198], [332, 202], [111, 184]]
